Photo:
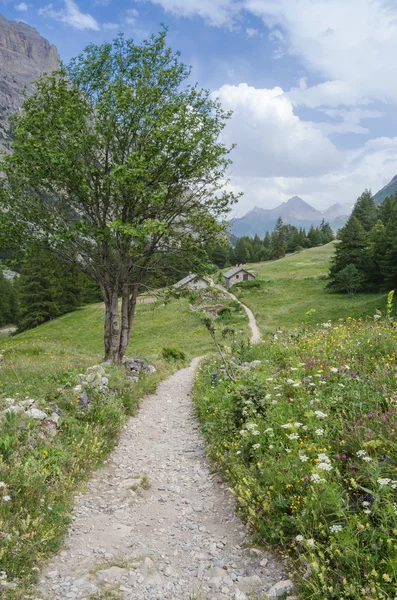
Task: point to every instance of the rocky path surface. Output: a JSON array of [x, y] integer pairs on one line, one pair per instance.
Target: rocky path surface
[[156, 523]]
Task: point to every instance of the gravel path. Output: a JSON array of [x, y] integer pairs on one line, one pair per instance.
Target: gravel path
[[156, 522], [255, 333]]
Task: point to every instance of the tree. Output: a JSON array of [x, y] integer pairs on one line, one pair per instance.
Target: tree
[[117, 161], [279, 246], [366, 210], [36, 303], [352, 249], [326, 230], [8, 308], [349, 280]]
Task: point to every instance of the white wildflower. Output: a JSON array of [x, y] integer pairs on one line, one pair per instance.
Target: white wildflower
[[361, 453], [316, 478], [326, 325], [287, 426], [299, 538], [334, 370], [278, 395], [271, 447], [335, 528], [383, 481], [368, 459], [290, 381], [268, 430], [310, 542], [367, 511], [365, 503], [323, 457], [293, 436], [320, 414], [341, 385], [268, 396], [296, 384], [325, 466], [319, 431], [2, 485], [274, 402], [256, 446], [288, 450], [298, 424], [6, 498], [303, 457]]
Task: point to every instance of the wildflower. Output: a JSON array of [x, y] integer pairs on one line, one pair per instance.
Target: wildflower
[[2, 485], [6, 498], [296, 384], [274, 402], [335, 528], [299, 538], [365, 503], [320, 414], [288, 450], [334, 370], [316, 478], [310, 542], [256, 446], [325, 466], [368, 459], [268, 396], [287, 426], [367, 511], [323, 457], [361, 453], [293, 436], [271, 447], [319, 431], [290, 381], [326, 325], [383, 481], [303, 458], [268, 430]]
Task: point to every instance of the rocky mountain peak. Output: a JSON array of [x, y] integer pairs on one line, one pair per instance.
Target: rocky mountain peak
[[24, 56]]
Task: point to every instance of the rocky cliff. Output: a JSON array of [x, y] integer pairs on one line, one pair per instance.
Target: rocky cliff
[[24, 56]]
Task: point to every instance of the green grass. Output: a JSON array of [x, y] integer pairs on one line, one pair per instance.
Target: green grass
[[295, 285]]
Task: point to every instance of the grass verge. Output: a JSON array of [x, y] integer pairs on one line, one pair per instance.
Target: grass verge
[[307, 441]]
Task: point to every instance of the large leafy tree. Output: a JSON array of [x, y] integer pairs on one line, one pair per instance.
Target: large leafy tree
[[118, 161]]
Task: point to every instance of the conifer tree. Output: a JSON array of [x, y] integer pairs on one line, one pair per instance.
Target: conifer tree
[[366, 210], [352, 249], [279, 246]]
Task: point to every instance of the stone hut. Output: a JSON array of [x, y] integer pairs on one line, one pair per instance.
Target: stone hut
[[236, 275], [193, 282]]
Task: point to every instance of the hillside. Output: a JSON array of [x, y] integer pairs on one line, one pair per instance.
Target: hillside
[[294, 212], [24, 56], [294, 285], [388, 190]]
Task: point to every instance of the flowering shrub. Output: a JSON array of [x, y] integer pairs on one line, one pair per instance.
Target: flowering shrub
[[307, 440]]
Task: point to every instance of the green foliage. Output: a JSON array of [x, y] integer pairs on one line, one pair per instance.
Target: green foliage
[[251, 284], [110, 155], [369, 241], [172, 354], [306, 441], [349, 280], [8, 301]]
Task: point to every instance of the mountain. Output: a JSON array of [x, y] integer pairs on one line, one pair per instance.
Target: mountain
[[24, 56], [294, 212], [388, 190]]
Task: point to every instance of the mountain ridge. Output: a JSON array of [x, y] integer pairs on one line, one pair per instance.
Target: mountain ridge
[[24, 56]]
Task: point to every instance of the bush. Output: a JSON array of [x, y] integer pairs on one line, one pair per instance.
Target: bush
[[249, 285], [307, 440], [172, 354]]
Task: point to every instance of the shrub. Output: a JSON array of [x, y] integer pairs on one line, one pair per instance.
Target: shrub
[[249, 285], [172, 354]]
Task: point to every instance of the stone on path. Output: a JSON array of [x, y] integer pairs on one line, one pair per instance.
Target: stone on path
[[155, 522]]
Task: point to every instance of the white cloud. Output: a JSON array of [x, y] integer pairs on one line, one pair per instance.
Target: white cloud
[[215, 12], [110, 26], [251, 32], [70, 15], [271, 140], [22, 7]]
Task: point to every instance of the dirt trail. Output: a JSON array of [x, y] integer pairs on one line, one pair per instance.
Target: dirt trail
[[178, 537], [255, 333]]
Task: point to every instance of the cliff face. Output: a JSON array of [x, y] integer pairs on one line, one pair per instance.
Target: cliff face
[[24, 56]]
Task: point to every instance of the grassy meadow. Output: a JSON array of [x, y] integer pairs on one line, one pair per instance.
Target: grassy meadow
[[294, 285]]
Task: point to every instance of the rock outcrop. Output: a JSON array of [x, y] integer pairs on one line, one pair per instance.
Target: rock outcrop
[[24, 56]]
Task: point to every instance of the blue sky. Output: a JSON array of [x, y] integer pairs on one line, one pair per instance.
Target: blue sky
[[312, 83]]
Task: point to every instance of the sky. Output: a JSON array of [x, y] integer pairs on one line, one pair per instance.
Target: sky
[[312, 83]]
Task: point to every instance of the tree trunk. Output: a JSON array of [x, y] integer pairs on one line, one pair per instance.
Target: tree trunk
[[128, 305], [112, 326]]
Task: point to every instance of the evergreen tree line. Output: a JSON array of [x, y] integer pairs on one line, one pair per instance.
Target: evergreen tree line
[[283, 240], [44, 288], [366, 256]]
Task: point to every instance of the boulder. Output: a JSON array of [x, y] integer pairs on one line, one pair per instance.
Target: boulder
[[36, 413], [280, 589]]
